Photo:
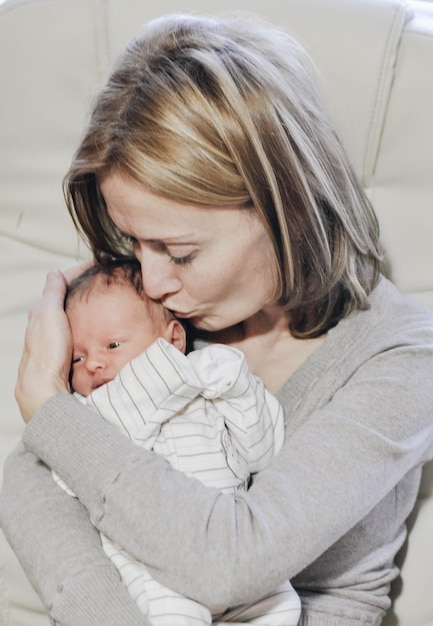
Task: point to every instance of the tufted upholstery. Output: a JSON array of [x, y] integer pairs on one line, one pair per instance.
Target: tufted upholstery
[[375, 67]]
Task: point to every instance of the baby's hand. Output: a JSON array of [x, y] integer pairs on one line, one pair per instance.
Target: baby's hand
[[46, 359]]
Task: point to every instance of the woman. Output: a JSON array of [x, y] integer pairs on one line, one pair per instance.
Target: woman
[[208, 155]]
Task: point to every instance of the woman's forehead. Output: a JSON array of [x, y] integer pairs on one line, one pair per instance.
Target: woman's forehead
[[138, 212]]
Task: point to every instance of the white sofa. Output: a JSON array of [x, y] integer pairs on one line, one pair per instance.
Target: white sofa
[[375, 67]]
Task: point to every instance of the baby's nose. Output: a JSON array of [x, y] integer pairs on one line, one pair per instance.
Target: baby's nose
[[95, 362]]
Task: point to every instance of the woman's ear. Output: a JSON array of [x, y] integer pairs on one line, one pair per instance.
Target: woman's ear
[[176, 335]]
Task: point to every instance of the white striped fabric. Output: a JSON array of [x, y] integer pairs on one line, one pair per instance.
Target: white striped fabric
[[214, 420]]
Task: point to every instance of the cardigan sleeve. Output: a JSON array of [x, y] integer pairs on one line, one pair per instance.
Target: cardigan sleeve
[[362, 421], [347, 456], [60, 550]]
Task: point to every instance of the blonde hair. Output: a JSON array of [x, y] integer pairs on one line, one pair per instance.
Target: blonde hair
[[213, 111]]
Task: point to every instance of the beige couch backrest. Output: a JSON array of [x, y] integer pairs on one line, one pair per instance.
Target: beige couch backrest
[[375, 62]]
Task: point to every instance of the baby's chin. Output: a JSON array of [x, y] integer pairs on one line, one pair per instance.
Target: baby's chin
[[86, 390]]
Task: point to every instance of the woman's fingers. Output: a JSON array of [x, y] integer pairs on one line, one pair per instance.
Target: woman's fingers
[[75, 271], [46, 359], [53, 294]]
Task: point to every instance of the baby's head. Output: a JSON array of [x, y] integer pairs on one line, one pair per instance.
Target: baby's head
[[112, 321]]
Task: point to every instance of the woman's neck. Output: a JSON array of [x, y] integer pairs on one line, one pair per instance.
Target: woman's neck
[[269, 347]]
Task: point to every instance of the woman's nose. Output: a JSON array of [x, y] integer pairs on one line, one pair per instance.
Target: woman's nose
[[159, 276]]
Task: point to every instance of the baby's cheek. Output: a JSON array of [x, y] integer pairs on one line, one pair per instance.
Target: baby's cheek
[[79, 382]]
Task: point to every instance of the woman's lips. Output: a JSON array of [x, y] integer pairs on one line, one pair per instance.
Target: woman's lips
[[182, 315]]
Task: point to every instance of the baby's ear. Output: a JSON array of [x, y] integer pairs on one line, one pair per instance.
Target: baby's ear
[[176, 335]]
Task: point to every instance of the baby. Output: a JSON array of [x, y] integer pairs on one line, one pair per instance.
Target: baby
[[205, 412]]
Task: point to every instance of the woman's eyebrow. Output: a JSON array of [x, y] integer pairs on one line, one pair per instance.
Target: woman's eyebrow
[[178, 241], [186, 239]]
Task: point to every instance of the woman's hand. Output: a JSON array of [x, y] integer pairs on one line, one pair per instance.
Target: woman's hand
[[46, 359]]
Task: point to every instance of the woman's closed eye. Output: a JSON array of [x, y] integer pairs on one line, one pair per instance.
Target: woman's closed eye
[[181, 260], [161, 247], [177, 259]]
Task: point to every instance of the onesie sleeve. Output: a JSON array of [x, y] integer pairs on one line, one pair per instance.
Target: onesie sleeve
[[149, 390], [253, 416], [342, 461], [161, 382]]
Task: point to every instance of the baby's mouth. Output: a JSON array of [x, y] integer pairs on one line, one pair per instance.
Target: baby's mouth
[[100, 381]]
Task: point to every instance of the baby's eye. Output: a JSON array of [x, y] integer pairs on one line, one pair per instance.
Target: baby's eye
[[113, 344], [77, 359]]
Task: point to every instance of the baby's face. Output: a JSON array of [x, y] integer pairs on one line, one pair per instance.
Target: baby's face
[[110, 326]]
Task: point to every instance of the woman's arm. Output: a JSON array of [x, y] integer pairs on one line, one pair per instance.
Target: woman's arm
[[364, 420], [60, 550], [342, 462]]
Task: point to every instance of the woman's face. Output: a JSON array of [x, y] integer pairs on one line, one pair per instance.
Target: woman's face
[[214, 266]]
